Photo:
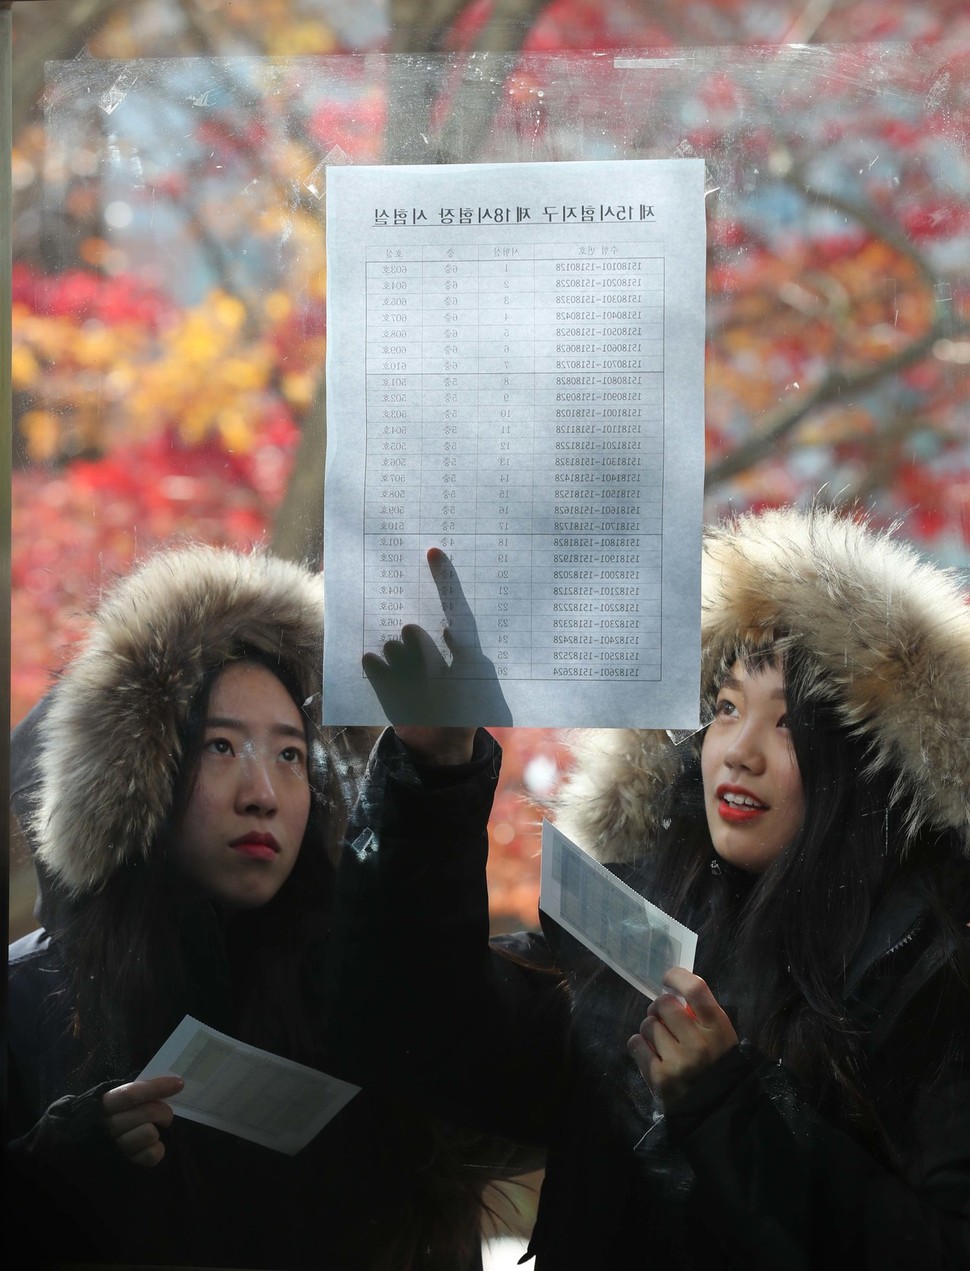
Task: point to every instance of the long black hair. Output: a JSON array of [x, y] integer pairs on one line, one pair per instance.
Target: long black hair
[[775, 947], [143, 951]]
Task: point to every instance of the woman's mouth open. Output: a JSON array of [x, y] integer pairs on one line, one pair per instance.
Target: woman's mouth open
[[256, 845], [738, 806]]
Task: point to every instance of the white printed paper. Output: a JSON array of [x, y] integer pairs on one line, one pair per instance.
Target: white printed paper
[[515, 372], [246, 1091], [627, 932]]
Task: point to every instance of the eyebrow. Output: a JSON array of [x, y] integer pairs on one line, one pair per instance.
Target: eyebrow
[[730, 682], [227, 721]]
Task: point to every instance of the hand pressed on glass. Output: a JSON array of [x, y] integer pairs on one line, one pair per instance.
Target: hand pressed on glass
[[414, 682]]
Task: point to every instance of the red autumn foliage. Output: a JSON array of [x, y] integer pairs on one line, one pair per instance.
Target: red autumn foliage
[[150, 405]]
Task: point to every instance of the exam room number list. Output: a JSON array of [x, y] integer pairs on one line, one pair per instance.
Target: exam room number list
[[514, 418]]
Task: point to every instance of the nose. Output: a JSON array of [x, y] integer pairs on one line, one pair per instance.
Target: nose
[[255, 791], [746, 752]]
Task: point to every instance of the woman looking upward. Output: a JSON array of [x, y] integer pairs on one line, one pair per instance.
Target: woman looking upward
[[806, 1087], [185, 817]]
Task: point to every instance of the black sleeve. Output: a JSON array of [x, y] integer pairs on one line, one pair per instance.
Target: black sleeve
[[61, 1176], [419, 1000], [781, 1185]]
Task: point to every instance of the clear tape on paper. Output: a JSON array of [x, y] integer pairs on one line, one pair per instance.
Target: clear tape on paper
[[679, 735], [631, 935]]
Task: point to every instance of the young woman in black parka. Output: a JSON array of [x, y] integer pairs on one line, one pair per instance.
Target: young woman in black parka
[[802, 1097], [185, 814]]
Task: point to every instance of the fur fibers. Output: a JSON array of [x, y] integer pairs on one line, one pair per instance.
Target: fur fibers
[[888, 632], [110, 740]]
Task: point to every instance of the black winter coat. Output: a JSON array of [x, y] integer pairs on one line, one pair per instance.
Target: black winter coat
[[378, 1178], [744, 1172], [346, 1202]]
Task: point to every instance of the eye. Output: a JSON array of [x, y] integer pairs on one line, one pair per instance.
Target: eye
[[292, 755], [783, 722], [218, 746], [725, 707]]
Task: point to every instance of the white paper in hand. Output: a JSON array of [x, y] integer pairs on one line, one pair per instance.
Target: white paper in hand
[[628, 933], [246, 1091]]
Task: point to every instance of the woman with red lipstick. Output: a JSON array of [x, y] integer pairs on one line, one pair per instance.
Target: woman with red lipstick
[[184, 820], [804, 1092]]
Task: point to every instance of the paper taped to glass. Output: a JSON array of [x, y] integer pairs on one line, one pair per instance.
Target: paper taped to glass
[[631, 935]]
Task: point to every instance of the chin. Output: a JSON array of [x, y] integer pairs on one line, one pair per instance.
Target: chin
[[247, 900], [751, 861]]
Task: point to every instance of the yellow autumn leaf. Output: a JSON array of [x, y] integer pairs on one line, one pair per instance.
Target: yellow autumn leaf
[[298, 389], [235, 430], [229, 310], [244, 374], [24, 367], [43, 432], [197, 341], [120, 379], [194, 424], [299, 39], [277, 306], [97, 346]]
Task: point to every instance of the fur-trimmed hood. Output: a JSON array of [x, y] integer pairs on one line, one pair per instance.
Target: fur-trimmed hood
[[109, 739], [889, 633]]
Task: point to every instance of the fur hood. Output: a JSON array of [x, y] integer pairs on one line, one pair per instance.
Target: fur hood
[[888, 632], [110, 736]]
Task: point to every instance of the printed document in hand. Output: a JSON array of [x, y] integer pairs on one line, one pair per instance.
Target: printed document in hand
[[245, 1091], [628, 933], [515, 376]]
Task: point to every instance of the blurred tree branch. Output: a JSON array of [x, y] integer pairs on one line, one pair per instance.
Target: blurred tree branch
[[838, 386], [421, 26], [416, 79], [40, 40], [441, 109], [419, 29]]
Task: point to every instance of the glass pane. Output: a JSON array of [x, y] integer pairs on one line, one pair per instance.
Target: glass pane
[[170, 286], [169, 282]]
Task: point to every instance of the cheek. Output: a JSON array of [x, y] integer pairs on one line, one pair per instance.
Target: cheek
[[205, 803], [710, 763], [303, 817], [298, 808], [798, 805], [794, 797]]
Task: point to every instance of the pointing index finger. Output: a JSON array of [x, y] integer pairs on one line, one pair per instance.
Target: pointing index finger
[[460, 621]]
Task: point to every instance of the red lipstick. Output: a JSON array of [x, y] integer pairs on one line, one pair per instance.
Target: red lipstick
[[256, 845], [741, 808]]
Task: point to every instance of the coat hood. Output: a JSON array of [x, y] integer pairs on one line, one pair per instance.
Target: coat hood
[[888, 633], [110, 734]]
